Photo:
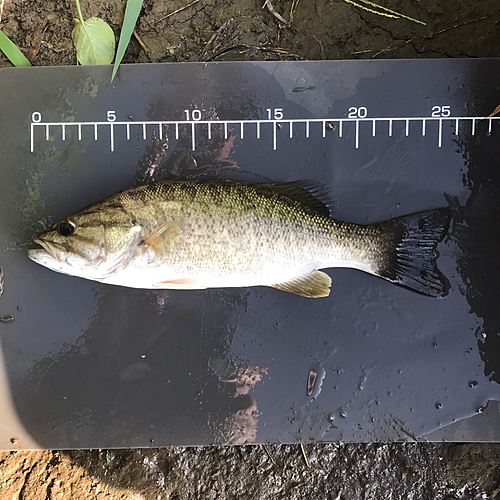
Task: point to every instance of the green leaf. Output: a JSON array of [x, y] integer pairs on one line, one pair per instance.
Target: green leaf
[[94, 41], [9, 48], [132, 11]]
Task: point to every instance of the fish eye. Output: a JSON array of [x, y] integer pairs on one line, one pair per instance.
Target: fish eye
[[66, 227]]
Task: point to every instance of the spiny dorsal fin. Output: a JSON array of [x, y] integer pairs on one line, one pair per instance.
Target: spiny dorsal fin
[[314, 195], [315, 284]]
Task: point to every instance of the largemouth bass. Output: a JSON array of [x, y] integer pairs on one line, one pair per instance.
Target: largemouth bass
[[221, 233]]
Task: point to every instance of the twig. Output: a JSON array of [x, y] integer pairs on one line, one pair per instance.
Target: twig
[[1, 9], [322, 53], [459, 25], [269, 5], [141, 43], [293, 8], [176, 11], [304, 454], [494, 112], [269, 454]]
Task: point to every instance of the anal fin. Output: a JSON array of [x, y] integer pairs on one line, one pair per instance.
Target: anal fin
[[314, 285]]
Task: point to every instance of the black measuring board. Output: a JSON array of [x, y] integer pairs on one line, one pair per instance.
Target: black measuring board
[[85, 365]]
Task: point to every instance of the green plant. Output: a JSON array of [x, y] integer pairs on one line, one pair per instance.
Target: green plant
[[9, 48], [132, 11], [94, 40]]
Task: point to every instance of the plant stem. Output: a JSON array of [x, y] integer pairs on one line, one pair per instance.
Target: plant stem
[[79, 10]]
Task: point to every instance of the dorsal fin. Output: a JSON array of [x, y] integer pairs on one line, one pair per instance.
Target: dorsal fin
[[314, 195]]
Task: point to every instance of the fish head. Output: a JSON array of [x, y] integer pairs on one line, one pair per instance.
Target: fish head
[[91, 244]]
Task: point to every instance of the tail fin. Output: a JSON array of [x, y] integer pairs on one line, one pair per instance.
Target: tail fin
[[410, 257]]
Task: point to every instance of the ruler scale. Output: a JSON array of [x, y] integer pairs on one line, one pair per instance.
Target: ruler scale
[[196, 127]]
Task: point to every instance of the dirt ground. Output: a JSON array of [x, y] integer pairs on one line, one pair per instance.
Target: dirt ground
[[214, 30]]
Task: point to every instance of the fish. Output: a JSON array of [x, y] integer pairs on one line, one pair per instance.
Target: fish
[[199, 234]]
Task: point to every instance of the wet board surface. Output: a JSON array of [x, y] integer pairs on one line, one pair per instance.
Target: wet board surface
[[85, 365]]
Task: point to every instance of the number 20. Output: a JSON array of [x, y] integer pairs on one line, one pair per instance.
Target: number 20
[[360, 112]]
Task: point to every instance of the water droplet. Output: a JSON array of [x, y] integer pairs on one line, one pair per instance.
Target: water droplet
[[473, 383], [437, 406], [330, 126], [342, 413]]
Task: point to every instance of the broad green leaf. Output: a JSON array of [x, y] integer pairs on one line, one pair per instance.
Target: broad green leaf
[[132, 11], [9, 48], [94, 41]]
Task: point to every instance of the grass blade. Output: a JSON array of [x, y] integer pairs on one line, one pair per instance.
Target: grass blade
[[132, 11], [9, 48], [393, 13]]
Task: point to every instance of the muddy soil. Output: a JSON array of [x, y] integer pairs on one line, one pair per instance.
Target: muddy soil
[[214, 30]]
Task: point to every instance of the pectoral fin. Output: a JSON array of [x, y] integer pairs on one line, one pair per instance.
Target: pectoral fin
[[163, 238], [315, 284], [180, 284]]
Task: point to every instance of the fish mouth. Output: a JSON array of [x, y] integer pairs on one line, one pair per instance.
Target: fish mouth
[[53, 250]]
